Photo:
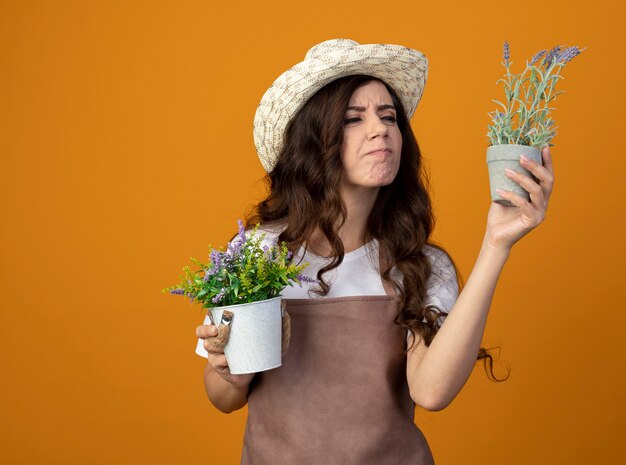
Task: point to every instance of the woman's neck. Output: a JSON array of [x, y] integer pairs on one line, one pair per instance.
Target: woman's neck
[[359, 203]]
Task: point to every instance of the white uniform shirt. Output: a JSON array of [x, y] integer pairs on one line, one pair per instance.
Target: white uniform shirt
[[442, 286]]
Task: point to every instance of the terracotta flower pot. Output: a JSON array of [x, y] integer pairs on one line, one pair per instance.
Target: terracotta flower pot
[[504, 156], [254, 343]]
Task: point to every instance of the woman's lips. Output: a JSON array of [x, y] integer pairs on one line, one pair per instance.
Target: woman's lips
[[380, 152]]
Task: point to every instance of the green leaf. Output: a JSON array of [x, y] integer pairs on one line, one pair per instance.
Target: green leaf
[[506, 109]]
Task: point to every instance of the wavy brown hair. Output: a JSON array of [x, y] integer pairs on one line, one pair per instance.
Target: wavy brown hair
[[304, 194]]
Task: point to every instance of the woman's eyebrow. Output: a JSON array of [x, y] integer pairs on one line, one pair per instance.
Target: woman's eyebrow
[[378, 108]]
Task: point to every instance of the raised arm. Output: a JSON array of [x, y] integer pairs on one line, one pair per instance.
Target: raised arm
[[437, 373]]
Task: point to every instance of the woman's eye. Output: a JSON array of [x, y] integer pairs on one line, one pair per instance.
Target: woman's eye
[[356, 119]]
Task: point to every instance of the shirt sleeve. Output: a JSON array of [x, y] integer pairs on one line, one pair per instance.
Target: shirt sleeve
[[442, 288]]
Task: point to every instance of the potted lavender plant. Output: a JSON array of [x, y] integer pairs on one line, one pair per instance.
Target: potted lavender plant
[[525, 126], [247, 280]]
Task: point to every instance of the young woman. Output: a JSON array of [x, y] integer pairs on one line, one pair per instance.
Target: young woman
[[385, 327]]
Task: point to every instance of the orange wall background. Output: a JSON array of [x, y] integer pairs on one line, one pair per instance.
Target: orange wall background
[[126, 146]]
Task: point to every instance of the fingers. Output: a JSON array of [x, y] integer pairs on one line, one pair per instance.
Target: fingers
[[543, 172], [546, 156], [219, 342], [204, 331], [534, 190], [215, 351], [215, 339], [209, 333], [530, 217]]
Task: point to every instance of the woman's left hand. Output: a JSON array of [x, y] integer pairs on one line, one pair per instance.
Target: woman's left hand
[[507, 225]]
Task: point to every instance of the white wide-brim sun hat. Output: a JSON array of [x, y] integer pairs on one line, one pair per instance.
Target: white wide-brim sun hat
[[402, 68]]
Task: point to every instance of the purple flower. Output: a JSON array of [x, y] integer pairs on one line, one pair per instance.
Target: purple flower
[[507, 53], [183, 293], [550, 57], [242, 232], [567, 55], [219, 296], [215, 263], [305, 279], [537, 57], [234, 247]]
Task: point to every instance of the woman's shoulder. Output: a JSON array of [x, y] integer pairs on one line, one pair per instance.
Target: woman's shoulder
[[269, 231], [434, 251], [442, 286], [441, 261]]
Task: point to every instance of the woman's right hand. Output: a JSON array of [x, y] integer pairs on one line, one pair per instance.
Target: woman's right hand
[[217, 359]]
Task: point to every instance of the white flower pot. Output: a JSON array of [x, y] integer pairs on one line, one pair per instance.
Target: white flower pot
[[508, 156], [254, 343]]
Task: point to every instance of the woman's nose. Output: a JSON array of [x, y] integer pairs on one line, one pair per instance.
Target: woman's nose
[[377, 128]]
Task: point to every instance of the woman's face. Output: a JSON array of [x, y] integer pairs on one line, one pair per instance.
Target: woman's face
[[372, 142]]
